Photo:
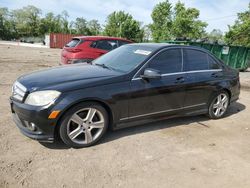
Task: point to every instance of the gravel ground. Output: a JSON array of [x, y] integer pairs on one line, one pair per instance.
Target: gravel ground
[[182, 152]]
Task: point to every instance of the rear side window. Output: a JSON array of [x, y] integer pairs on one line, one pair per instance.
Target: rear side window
[[121, 42], [73, 43], [105, 44], [212, 63], [194, 60], [169, 61]]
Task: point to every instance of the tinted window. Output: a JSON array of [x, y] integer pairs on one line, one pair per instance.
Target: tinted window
[[121, 42], [73, 43], [169, 61], [105, 44], [212, 63], [124, 58], [194, 60]]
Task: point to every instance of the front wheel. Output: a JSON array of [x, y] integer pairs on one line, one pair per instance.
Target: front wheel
[[84, 125], [219, 105]]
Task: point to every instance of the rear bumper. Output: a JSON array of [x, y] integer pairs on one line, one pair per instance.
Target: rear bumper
[[235, 90]]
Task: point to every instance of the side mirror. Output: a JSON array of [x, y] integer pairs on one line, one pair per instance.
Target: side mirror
[[151, 74]]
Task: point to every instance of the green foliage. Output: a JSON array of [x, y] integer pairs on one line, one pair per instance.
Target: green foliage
[[81, 27], [121, 24], [7, 28], [186, 23], [50, 24], [26, 20], [175, 22], [94, 27], [239, 33], [162, 21]]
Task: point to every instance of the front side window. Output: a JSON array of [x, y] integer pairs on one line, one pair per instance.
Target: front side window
[[194, 60], [169, 61]]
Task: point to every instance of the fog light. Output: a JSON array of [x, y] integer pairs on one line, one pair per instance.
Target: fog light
[[31, 126]]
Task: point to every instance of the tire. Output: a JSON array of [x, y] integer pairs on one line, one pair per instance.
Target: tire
[[84, 125], [218, 105]]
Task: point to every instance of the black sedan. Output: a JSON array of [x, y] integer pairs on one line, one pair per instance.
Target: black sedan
[[134, 84]]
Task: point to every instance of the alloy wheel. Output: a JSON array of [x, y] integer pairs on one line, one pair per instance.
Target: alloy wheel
[[85, 126], [220, 105]]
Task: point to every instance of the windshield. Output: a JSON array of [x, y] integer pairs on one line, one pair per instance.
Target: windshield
[[124, 58]]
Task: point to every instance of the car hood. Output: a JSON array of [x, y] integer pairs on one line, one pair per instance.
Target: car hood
[[64, 76]]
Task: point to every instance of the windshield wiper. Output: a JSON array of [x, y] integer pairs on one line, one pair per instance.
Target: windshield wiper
[[103, 66], [106, 67]]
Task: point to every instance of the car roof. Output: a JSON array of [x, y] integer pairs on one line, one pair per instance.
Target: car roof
[[158, 46], [101, 37]]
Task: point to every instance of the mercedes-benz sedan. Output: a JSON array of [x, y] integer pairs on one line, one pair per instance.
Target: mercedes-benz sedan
[[131, 85]]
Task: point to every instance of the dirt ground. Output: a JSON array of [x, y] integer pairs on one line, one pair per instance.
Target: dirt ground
[[183, 152]]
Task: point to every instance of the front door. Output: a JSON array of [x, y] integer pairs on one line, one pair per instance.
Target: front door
[[152, 97]]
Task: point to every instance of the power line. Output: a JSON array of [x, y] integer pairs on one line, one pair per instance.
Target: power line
[[220, 18]]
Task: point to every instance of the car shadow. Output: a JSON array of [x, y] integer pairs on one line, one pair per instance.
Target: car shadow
[[163, 124]]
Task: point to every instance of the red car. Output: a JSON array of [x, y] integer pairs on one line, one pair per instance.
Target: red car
[[87, 48]]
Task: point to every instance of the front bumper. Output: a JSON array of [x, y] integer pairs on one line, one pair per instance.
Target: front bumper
[[24, 114]]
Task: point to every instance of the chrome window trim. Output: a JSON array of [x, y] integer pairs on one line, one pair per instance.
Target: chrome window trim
[[164, 49], [135, 77], [185, 72], [152, 113]]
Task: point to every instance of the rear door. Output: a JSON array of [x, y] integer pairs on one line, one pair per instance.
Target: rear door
[[202, 75], [159, 96]]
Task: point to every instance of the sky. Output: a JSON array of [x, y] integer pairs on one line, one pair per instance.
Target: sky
[[217, 13]]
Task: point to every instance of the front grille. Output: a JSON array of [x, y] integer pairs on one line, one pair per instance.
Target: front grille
[[18, 91]]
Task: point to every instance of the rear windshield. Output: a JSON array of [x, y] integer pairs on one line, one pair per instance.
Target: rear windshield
[[73, 43]]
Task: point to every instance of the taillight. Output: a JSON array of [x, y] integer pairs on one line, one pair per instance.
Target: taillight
[[73, 50]]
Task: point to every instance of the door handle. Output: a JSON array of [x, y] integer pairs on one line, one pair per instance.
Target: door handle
[[215, 75], [180, 80]]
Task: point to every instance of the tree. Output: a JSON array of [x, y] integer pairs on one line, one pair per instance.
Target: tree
[[186, 23], [94, 27], [239, 33], [162, 21], [121, 24], [175, 22], [64, 21], [81, 26], [6, 27], [27, 20], [49, 24]]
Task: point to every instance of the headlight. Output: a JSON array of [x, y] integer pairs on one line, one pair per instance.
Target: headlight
[[42, 98]]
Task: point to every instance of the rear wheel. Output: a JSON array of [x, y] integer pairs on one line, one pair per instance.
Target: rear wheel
[[219, 105], [84, 125]]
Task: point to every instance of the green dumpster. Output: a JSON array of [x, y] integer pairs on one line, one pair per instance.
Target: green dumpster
[[237, 57]]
